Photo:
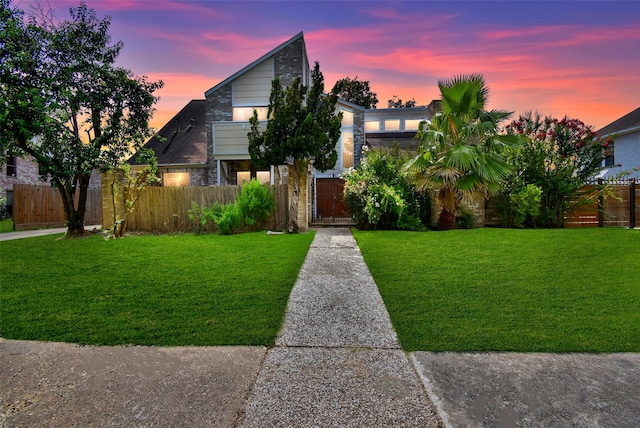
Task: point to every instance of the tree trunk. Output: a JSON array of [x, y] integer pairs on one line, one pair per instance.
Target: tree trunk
[[294, 170], [74, 217], [447, 220]]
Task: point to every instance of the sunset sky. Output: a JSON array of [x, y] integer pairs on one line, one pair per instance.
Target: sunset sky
[[575, 58]]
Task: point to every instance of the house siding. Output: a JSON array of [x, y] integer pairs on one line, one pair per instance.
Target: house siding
[[626, 153], [254, 87]]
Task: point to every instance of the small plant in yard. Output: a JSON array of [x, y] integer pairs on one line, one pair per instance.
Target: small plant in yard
[[252, 207]]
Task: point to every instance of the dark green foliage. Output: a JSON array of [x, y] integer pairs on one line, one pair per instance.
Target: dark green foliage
[[61, 84], [355, 91], [303, 126], [380, 194], [465, 219]]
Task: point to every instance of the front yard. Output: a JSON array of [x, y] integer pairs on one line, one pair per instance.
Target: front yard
[[560, 290], [149, 290]]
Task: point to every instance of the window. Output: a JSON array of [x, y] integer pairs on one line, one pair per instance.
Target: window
[[243, 114], [176, 179], [347, 149], [392, 125], [372, 125], [264, 177], [11, 166], [412, 124], [609, 159], [242, 176], [347, 118]]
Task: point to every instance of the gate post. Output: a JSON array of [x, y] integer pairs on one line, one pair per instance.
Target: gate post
[[632, 203]]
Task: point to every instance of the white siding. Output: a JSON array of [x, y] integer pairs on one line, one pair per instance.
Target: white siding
[[254, 87], [230, 141]]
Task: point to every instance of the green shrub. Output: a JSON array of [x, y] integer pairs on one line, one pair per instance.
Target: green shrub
[[465, 218], [229, 219], [256, 203], [380, 195]]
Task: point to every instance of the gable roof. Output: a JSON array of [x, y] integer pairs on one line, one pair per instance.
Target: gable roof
[[626, 124], [186, 138], [295, 38]]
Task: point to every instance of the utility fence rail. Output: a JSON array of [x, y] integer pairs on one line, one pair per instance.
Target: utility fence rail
[[166, 209]]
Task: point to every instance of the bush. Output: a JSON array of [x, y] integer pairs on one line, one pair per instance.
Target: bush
[[256, 203], [465, 218], [380, 195], [252, 207]]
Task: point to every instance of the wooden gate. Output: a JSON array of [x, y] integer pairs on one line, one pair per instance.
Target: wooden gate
[[329, 205]]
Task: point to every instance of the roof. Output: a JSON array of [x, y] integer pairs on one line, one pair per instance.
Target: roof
[[186, 138], [295, 38], [626, 124]]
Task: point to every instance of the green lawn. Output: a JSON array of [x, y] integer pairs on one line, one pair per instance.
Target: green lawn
[[562, 290], [6, 225], [149, 290]]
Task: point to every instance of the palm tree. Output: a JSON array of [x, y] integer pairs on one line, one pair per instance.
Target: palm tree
[[461, 151]]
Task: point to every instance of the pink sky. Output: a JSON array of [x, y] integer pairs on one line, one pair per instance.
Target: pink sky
[[575, 58]]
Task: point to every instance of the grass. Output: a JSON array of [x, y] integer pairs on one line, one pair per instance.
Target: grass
[[6, 225], [562, 290], [149, 290]]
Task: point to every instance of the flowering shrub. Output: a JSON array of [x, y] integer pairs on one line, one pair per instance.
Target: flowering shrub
[[381, 196], [557, 156]]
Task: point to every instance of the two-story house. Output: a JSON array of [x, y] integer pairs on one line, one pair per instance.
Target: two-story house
[[206, 143]]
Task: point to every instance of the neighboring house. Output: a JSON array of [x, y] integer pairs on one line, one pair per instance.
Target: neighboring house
[[624, 156], [17, 170], [207, 144]]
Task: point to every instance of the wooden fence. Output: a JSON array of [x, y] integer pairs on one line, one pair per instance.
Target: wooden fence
[[620, 208], [166, 209], [37, 207], [617, 207]]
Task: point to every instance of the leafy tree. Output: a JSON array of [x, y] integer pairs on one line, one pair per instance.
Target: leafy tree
[[64, 102], [380, 194], [303, 126], [396, 102], [559, 157], [462, 155], [355, 91]]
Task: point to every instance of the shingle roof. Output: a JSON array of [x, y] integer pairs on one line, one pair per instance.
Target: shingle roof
[[627, 122], [186, 138]]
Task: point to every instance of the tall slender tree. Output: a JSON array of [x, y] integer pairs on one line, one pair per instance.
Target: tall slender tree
[[462, 152], [302, 127], [66, 103]]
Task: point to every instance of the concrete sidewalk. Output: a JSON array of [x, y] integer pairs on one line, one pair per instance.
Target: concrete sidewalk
[[20, 234]]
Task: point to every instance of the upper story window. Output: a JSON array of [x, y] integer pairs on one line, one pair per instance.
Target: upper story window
[[412, 124], [392, 125], [372, 125], [243, 114], [11, 166], [347, 118]]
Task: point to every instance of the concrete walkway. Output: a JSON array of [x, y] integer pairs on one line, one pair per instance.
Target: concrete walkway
[[20, 234], [337, 360]]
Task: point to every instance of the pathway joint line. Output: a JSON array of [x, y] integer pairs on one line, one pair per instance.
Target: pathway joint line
[[428, 387]]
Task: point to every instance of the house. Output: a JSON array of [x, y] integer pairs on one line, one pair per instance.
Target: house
[[624, 156], [17, 170], [206, 143], [181, 148]]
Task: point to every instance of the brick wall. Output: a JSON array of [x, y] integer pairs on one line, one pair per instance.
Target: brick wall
[[358, 135], [290, 62]]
